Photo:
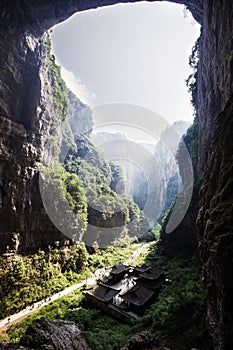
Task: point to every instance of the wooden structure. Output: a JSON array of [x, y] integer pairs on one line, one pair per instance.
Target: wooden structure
[[139, 298], [101, 294], [118, 272], [130, 298], [151, 277]]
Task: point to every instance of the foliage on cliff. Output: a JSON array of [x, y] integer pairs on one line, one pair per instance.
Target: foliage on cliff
[[185, 231], [171, 192], [107, 205], [58, 86], [117, 182], [93, 188], [190, 141], [63, 192], [80, 115], [191, 82]]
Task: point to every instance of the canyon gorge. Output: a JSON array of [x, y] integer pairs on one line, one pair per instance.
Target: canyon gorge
[[29, 118]]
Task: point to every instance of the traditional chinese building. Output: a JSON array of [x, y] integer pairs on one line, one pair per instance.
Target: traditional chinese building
[[127, 291]]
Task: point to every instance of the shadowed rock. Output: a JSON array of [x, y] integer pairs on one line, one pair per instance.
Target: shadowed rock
[[53, 335], [143, 341]]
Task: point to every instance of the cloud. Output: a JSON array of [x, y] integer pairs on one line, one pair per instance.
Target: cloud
[[77, 87]]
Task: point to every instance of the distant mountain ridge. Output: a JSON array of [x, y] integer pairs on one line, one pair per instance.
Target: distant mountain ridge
[[150, 171]]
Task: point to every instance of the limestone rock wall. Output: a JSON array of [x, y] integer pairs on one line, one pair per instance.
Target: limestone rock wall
[[27, 120], [215, 230], [25, 101], [27, 117], [215, 219], [215, 83]]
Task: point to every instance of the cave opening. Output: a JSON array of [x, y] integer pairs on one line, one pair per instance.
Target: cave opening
[[135, 53], [130, 63], [24, 225]]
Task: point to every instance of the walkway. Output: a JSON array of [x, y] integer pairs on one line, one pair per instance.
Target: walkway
[[36, 306], [137, 253]]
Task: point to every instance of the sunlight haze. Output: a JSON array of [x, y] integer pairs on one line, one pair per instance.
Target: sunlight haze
[[129, 53]]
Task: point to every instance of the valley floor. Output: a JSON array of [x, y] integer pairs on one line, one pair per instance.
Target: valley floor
[[13, 319], [177, 318]]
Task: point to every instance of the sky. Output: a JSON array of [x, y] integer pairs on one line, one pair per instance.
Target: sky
[[134, 54]]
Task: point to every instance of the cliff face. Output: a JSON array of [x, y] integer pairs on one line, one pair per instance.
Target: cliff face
[[28, 117], [148, 182], [215, 83], [215, 112], [215, 230], [50, 335]]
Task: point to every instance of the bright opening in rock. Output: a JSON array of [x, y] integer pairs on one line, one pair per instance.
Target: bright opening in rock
[[130, 64], [129, 53]]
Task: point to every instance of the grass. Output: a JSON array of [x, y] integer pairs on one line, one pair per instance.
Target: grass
[[111, 256], [58, 86], [177, 318], [31, 278], [140, 260], [101, 331], [28, 279]]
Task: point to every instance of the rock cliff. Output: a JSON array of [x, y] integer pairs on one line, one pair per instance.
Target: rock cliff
[[50, 335], [26, 124], [28, 118], [144, 341], [215, 230]]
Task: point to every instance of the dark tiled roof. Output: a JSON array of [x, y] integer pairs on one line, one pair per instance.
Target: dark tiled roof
[[147, 285], [138, 295], [157, 284], [103, 292], [105, 280], [152, 273], [139, 269], [119, 268]]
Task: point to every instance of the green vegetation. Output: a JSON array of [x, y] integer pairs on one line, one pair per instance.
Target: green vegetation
[[90, 185], [140, 260], [177, 318], [55, 310], [191, 82], [171, 192], [101, 331], [57, 84], [67, 195], [230, 56], [165, 221], [86, 187], [117, 181], [189, 142], [111, 255], [27, 279], [83, 188], [105, 207]]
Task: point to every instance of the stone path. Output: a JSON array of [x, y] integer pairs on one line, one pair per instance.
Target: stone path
[[6, 322], [137, 253], [36, 306]]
